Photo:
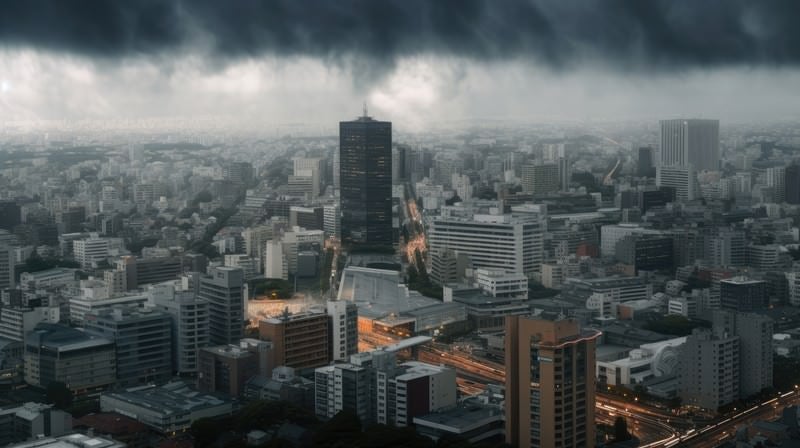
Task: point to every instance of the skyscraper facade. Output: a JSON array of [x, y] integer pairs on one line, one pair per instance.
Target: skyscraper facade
[[365, 178], [223, 289], [792, 184], [550, 383], [690, 142], [645, 166]]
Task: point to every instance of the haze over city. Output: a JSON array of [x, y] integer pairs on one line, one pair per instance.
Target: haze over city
[[414, 62]]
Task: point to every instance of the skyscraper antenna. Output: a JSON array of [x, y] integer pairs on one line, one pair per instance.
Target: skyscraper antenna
[[365, 108]]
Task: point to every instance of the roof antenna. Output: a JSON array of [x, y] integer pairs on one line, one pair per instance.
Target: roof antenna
[[365, 109]]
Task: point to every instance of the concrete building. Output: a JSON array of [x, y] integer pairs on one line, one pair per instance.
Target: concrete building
[[728, 249], [448, 266], [619, 289], [755, 348], [344, 329], [686, 142], [709, 374], [249, 265], [89, 251], [16, 322], [223, 289], [94, 298], [473, 422], [776, 178], [300, 341], [331, 222], [792, 184], [743, 294], [143, 340], [492, 241], [313, 167], [72, 441], [190, 321], [310, 218], [227, 368], [31, 421], [84, 362], [646, 252], [275, 263], [283, 385], [540, 178], [7, 264], [645, 165], [168, 409], [343, 387], [611, 234], [550, 383], [683, 179], [50, 278], [499, 283]]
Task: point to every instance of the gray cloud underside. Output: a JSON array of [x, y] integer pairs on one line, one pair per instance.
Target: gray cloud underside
[[626, 34]]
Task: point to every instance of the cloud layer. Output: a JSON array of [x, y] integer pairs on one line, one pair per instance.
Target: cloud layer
[[414, 61], [631, 34]]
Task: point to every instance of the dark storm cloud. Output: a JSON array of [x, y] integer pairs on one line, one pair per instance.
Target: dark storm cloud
[[632, 34]]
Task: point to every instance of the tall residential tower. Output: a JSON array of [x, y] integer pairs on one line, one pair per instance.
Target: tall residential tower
[[550, 383]]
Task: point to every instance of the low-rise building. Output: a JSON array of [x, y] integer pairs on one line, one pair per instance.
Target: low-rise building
[[31, 420], [82, 361], [168, 409]]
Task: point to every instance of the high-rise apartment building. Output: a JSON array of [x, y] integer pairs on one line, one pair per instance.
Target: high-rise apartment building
[[690, 142], [550, 383], [223, 289], [365, 177], [755, 348], [709, 371]]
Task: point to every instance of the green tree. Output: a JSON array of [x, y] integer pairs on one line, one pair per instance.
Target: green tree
[[59, 395], [204, 432], [343, 430]]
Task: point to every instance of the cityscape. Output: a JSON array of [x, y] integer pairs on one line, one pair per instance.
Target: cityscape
[[449, 224]]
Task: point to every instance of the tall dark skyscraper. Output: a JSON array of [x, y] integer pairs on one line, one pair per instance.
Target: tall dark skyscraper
[[365, 177], [645, 167], [792, 184]]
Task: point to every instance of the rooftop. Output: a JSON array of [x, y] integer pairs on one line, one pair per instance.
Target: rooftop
[[461, 419], [171, 398]]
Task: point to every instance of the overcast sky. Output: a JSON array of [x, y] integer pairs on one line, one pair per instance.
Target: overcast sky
[[413, 61]]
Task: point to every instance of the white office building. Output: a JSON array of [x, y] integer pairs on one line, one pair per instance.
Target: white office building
[[682, 178], [492, 241], [690, 142], [90, 250], [344, 328]]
